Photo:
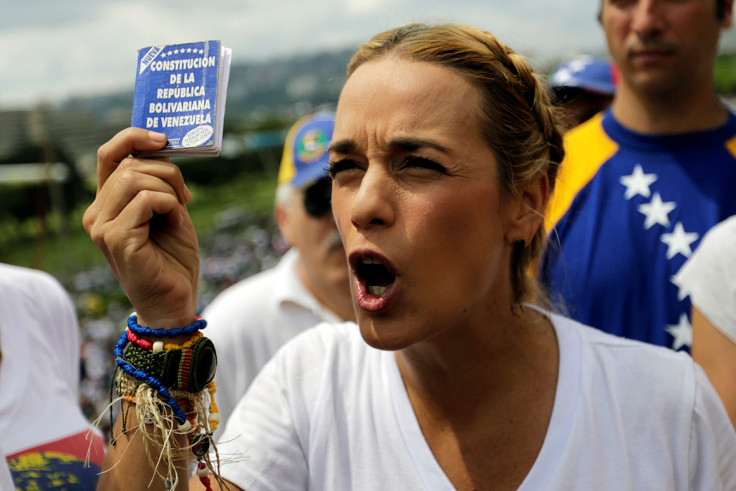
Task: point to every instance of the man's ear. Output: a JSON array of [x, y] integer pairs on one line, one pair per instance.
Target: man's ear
[[528, 212], [281, 215]]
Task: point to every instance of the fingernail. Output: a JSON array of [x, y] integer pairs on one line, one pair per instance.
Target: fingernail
[[157, 137]]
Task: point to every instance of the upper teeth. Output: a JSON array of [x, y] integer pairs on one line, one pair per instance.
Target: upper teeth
[[371, 260], [376, 290]]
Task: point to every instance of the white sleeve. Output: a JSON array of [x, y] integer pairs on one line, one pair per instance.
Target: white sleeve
[[709, 276], [237, 363], [712, 440], [261, 443]]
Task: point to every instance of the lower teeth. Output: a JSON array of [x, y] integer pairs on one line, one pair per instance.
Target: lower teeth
[[376, 290]]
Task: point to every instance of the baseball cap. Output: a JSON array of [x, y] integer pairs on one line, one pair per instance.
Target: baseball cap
[[587, 73], [306, 159]]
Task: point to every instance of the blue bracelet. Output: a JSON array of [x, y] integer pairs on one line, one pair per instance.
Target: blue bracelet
[[168, 333], [149, 380]]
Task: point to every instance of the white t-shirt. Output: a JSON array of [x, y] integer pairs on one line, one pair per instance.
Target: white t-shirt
[[330, 412], [709, 277], [251, 320], [39, 371]]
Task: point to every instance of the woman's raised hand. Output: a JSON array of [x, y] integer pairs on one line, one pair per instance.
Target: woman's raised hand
[[140, 222]]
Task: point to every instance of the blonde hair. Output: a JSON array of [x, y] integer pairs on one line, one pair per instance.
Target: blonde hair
[[517, 117]]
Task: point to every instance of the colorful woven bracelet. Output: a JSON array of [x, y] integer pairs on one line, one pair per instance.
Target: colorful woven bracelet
[[149, 380], [139, 330], [189, 369]]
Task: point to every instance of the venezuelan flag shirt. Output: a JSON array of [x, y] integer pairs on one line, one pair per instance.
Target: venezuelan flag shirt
[[627, 212]]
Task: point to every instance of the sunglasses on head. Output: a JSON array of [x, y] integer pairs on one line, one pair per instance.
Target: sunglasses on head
[[318, 198]]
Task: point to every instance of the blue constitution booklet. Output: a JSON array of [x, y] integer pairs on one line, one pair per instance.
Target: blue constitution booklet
[[180, 90]]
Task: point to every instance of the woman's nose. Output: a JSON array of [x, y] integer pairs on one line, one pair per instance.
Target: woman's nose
[[373, 202]]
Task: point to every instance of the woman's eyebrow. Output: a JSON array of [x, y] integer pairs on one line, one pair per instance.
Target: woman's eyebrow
[[397, 144], [343, 146], [410, 144]]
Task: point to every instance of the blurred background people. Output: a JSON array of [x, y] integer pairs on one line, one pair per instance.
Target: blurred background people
[[45, 435], [250, 320], [583, 86], [643, 182], [709, 277]]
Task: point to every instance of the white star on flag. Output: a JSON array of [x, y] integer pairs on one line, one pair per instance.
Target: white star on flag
[[679, 241], [682, 291], [637, 183], [656, 212], [682, 332]]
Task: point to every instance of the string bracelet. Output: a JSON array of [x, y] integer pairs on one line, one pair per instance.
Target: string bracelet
[[127, 387], [199, 323]]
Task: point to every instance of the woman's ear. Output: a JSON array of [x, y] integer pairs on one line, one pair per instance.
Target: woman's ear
[[528, 212]]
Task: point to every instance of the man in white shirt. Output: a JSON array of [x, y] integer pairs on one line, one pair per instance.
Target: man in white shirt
[[45, 436], [251, 320]]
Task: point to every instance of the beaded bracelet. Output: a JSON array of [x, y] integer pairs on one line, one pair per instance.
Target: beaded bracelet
[[139, 330], [158, 346]]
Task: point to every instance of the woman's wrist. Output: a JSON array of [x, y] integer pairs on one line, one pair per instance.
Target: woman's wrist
[[169, 385], [172, 322]]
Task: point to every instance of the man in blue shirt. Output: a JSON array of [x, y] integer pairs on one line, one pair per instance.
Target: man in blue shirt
[[642, 182]]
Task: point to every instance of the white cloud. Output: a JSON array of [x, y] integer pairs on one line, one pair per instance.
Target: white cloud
[[55, 49], [361, 7]]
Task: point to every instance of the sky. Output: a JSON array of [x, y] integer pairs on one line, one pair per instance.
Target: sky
[[56, 49]]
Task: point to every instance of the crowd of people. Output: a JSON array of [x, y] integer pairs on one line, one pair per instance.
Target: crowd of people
[[476, 282]]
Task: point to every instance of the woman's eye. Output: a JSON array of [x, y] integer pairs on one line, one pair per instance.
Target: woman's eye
[[422, 163], [337, 166]]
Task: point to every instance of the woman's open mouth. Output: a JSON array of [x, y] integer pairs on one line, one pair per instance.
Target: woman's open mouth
[[374, 280]]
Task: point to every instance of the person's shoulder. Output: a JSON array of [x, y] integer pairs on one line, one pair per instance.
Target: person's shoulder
[[596, 338], [247, 294], [325, 345], [631, 359], [10, 274], [328, 337], [582, 134], [640, 379], [587, 147], [721, 236], [29, 281]]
